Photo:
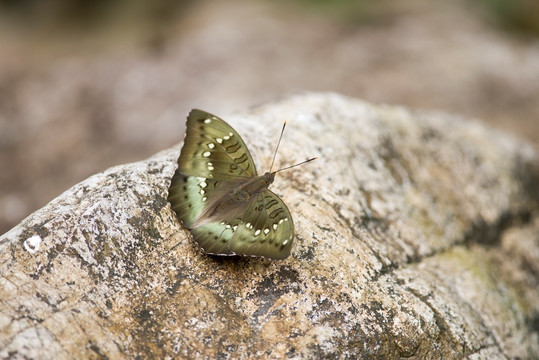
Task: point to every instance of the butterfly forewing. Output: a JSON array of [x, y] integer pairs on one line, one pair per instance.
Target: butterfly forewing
[[213, 149], [266, 228]]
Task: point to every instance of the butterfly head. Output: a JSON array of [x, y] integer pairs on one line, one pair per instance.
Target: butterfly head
[[269, 177]]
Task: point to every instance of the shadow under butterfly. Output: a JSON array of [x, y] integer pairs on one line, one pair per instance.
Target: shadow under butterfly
[[218, 195]]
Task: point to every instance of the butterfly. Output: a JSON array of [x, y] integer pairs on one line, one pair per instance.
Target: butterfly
[[217, 194]]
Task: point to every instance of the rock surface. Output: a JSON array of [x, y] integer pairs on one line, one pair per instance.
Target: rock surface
[[417, 235]]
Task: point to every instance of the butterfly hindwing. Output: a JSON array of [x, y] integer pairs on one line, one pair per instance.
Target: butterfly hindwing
[[266, 229], [214, 237], [213, 149]]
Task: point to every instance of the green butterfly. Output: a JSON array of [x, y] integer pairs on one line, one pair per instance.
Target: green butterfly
[[218, 195]]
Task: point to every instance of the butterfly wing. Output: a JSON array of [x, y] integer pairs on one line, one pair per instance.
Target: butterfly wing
[[214, 237], [266, 229], [213, 161], [187, 196], [213, 149]]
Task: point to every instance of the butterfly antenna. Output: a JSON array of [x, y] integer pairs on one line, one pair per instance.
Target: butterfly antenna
[[278, 143], [301, 163]]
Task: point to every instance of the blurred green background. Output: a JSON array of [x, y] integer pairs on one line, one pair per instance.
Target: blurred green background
[[87, 85]]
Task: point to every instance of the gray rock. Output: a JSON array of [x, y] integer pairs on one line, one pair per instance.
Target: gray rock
[[417, 235]]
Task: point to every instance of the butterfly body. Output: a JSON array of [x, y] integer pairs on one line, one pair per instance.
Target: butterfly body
[[218, 195], [254, 186]]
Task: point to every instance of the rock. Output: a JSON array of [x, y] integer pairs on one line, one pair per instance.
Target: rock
[[417, 235]]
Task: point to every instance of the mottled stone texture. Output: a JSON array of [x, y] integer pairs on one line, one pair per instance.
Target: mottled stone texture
[[417, 235]]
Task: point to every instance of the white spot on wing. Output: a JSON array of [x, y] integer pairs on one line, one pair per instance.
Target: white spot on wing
[[257, 232], [266, 231], [32, 244], [219, 140], [206, 154], [211, 145], [207, 121], [275, 226]]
